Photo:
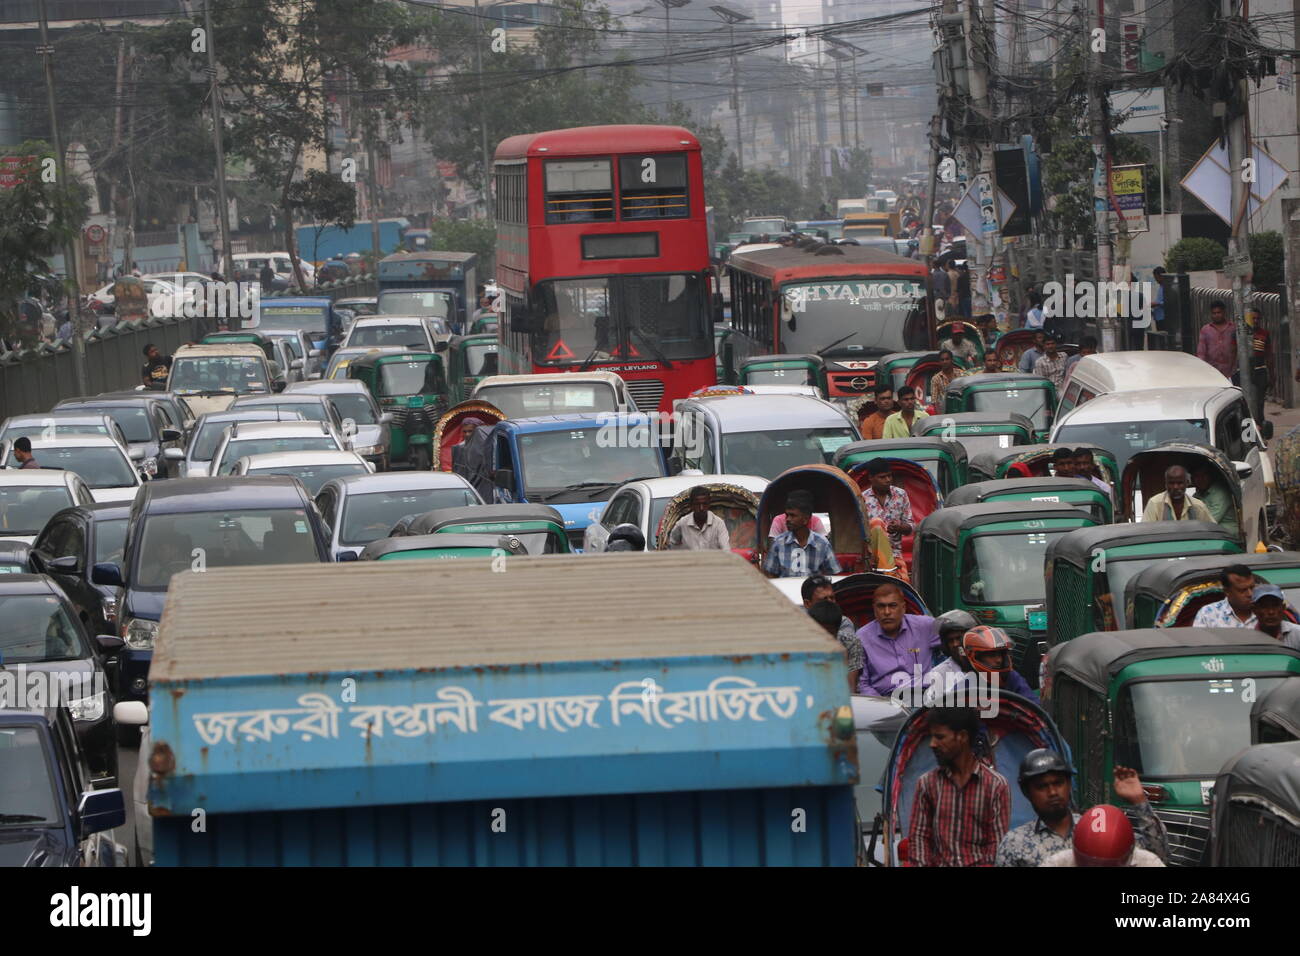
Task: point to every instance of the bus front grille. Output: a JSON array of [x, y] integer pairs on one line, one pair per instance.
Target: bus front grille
[[647, 393]]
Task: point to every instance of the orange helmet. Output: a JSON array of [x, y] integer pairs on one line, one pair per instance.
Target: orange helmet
[[1103, 837], [988, 649]]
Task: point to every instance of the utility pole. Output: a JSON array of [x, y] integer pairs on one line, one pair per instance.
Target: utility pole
[[668, 6], [218, 125], [372, 194], [989, 242], [731, 18], [1239, 149], [482, 122], [1100, 164], [839, 56], [70, 248]]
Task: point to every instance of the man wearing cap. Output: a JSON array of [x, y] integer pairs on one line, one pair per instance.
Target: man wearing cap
[[1269, 604], [963, 349]]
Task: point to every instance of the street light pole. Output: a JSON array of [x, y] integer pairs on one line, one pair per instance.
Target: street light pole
[[214, 93], [668, 6], [731, 18]]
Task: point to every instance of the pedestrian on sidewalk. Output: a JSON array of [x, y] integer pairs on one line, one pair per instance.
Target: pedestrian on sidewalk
[[1217, 343]]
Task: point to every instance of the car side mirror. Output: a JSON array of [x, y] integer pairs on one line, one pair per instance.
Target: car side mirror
[[135, 454], [68, 564], [100, 810], [441, 345], [109, 575], [1243, 469], [174, 454], [386, 418], [278, 385], [503, 478], [296, 364], [171, 434], [314, 353], [108, 643], [346, 556], [133, 713]]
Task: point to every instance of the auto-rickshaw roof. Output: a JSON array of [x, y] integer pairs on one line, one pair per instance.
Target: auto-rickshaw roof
[[948, 523], [980, 379], [429, 542], [1271, 771], [793, 357], [1079, 547], [1279, 708], [988, 461], [1094, 659], [897, 448], [886, 360], [385, 358], [1191, 449], [994, 419], [431, 521], [979, 491], [1163, 579]]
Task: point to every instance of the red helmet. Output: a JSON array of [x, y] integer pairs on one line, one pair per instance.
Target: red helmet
[[1103, 837], [985, 640]]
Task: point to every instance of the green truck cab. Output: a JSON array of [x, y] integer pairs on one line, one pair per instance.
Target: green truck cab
[[944, 460], [1030, 395], [1170, 593], [1173, 704], [412, 387], [1080, 492], [988, 559], [1089, 570], [979, 432]]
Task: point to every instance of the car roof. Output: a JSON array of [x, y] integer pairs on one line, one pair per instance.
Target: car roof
[[109, 399], [399, 481], [595, 375], [973, 492], [387, 320], [77, 440], [290, 459], [231, 348], [326, 386], [34, 477], [287, 429], [255, 401], [421, 542], [996, 378], [242, 415], [1155, 369], [193, 495], [676, 484], [1148, 404], [11, 584], [990, 418], [751, 413], [1080, 545], [550, 423], [70, 416], [1094, 659], [295, 300]]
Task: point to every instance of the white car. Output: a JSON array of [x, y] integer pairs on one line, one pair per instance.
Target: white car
[[135, 713], [312, 468], [372, 436], [155, 290], [30, 497], [211, 428], [61, 422], [280, 262], [100, 461], [556, 393], [365, 508], [381, 331], [642, 503], [243, 439]]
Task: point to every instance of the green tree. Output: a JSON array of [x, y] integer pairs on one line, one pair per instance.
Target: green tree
[[1266, 254], [1195, 254], [326, 199], [467, 235]]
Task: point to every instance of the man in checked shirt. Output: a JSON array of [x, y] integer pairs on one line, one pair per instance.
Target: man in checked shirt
[[963, 806]]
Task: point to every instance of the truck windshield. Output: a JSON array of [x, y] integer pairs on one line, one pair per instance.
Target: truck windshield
[[874, 313], [1030, 402], [556, 463], [35, 627], [99, 467], [530, 401], [173, 543], [26, 788], [768, 453], [1005, 568], [237, 374], [370, 517], [638, 318], [1185, 728], [439, 304], [1127, 438], [25, 509]]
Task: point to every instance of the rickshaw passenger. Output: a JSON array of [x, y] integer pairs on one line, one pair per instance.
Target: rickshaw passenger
[[1270, 611], [1216, 497], [1103, 837], [899, 424], [1045, 780], [992, 364], [940, 380], [1033, 354], [1236, 609], [979, 650], [1063, 463], [800, 551], [960, 347], [873, 426], [963, 806], [818, 591], [1085, 466], [898, 647], [888, 503], [1172, 504]]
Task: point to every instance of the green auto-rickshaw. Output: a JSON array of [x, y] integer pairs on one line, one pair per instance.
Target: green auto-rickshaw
[[412, 387], [1257, 807], [785, 370], [1030, 395], [893, 369], [539, 527], [731, 348], [1035, 461], [1173, 704], [1089, 570], [988, 559], [441, 547], [488, 324], [1169, 594], [470, 359], [1275, 717], [978, 432], [1080, 492], [1144, 477], [944, 460]]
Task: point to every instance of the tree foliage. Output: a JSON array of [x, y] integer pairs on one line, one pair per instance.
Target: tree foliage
[[1196, 254], [1267, 255]]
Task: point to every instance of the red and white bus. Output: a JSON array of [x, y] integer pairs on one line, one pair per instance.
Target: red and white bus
[[603, 257]]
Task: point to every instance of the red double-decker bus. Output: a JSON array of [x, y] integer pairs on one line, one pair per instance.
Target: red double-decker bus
[[603, 257]]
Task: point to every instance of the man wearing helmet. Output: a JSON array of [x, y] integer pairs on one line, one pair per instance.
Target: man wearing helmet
[[979, 650], [1045, 779], [1103, 837]]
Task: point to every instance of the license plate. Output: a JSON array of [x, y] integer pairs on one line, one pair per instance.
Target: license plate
[[1038, 620]]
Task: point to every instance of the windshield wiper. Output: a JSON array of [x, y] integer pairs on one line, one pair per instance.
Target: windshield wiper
[[22, 818], [823, 351], [579, 486], [653, 347]]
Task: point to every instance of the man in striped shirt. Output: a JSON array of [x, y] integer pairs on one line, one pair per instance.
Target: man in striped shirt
[[962, 808]]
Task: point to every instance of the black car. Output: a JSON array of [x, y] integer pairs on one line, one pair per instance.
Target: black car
[[150, 424], [49, 815], [73, 541], [42, 635], [201, 523]]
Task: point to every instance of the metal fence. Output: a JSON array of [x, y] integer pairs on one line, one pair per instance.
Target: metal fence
[[1274, 319]]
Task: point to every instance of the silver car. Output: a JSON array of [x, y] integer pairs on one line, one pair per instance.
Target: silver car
[[364, 508], [30, 497], [363, 423], [312, 468], [314, 408], [263, 438], [60, 422], [196, 459], [106, 467]]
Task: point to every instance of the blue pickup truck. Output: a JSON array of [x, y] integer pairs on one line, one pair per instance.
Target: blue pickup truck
[[574, 463], [711, 726]]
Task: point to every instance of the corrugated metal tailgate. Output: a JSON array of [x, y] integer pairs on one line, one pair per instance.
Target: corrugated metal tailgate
[[315, 686]]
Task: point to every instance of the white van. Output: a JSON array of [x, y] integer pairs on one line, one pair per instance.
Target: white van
[[280, 263], [1107, 372]]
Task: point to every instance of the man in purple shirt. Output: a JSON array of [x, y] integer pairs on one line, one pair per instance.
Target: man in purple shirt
[[1218, 342], [896, 644]]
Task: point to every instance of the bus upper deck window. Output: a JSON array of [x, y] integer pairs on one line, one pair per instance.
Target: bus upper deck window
[[579, 190]]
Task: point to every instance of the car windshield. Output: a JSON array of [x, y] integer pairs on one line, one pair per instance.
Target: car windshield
[[550, 398], [368, 517], [132, 419], [411, 336], [878, 314], [173, 543], [110, 541], [220, 373], [247, 447], [314, 476], [26, 787], [1186, 728], [1006, 568], [1125, 439], [291, 318], [1030, 402], [98, 467], [481, 358], [354, 406], [25, 509], [780, 376], [437, 304], [412, 377], [768, 453], [35, 627], [557, 460]]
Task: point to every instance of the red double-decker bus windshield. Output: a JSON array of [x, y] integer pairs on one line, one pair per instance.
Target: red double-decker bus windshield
[[603, 257]]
